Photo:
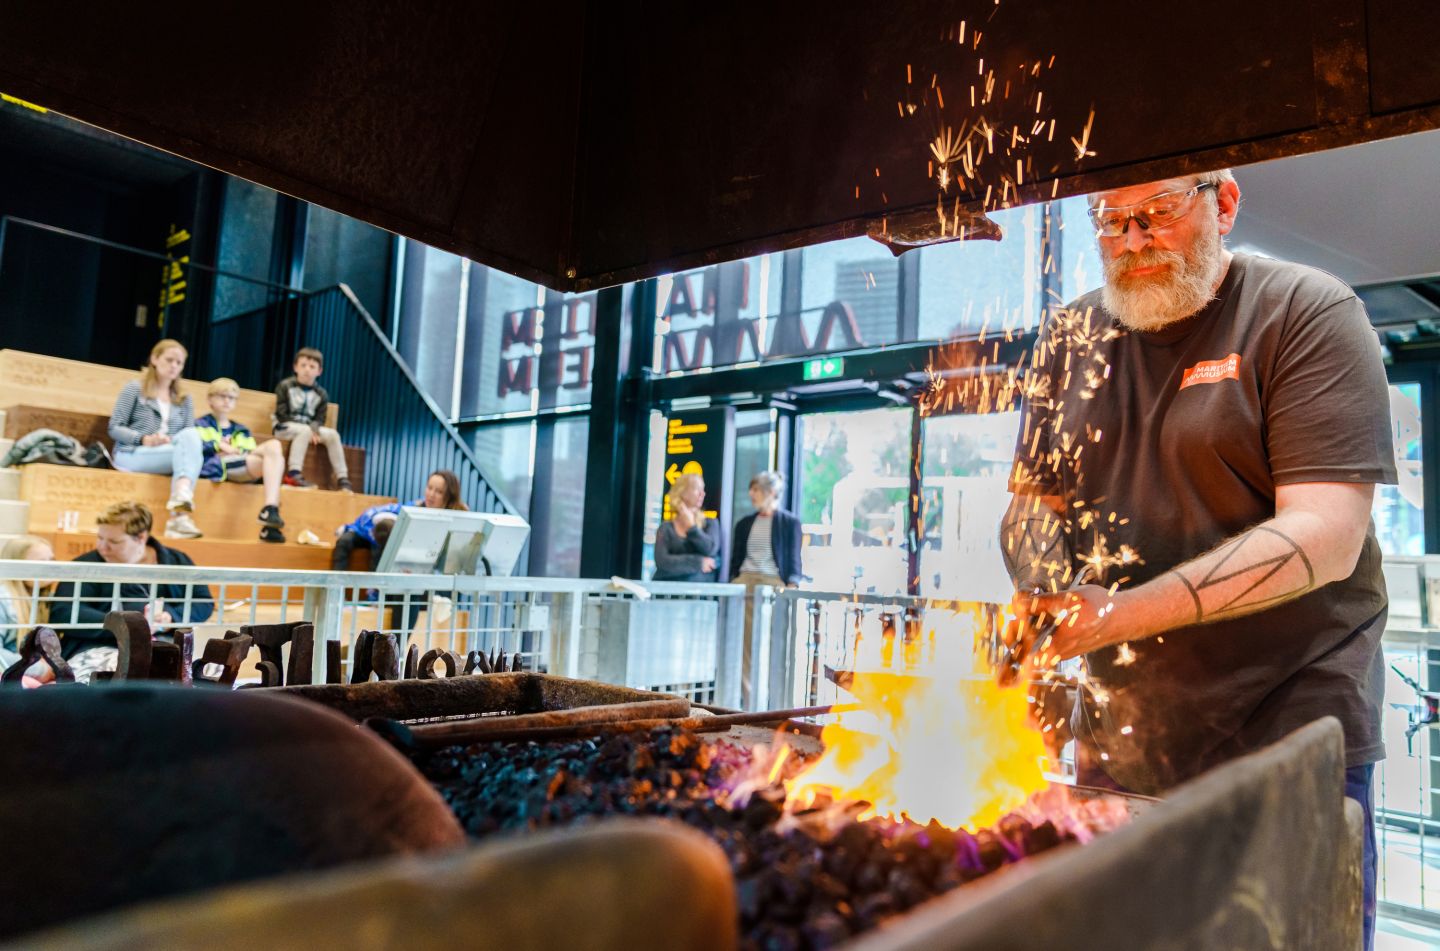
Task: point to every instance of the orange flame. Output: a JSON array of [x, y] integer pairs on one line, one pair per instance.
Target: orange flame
[[939, 743]]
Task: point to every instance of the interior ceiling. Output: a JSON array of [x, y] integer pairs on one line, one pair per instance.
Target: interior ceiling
[[1367, 213], [582, 143]]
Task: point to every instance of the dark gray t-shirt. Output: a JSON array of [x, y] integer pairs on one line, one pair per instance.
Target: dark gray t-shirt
[[1165, 444]]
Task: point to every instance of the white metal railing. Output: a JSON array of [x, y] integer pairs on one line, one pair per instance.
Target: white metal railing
[[801, 633], [1407, 781], [657, 635]]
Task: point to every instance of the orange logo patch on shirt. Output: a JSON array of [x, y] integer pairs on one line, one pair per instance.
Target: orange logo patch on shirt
[[1212, 371]]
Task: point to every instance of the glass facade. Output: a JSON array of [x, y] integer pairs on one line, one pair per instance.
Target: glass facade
[[854, 486], [963, 487], [493, 349], [1399, 510], [853, 294]]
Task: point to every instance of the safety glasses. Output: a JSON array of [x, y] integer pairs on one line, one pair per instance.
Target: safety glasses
[[1155, 212]]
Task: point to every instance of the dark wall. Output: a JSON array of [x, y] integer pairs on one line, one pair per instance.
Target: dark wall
[[70, 297], [48, 283], [73, 298]]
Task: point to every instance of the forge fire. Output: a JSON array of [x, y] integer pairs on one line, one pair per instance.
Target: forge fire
[[808, 872]]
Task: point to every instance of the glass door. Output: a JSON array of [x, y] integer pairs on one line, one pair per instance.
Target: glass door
[[966, 462], [853, 494]]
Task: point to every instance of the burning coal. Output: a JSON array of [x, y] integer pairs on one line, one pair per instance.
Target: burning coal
[[804, 878]]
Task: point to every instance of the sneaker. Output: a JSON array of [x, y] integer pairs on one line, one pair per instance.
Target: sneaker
[[343, 485], [179, 504], [271, 534], [270, 517], [181, 525], [295, 479]]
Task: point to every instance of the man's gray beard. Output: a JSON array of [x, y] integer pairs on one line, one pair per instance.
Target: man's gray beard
[[1151, 303]]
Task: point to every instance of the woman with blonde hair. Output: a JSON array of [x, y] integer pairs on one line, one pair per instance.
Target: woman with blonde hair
[[122, 537], [687, 545], [153, 426], [20, 607]]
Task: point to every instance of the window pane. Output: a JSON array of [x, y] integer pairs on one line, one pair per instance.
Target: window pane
[[967, 460], [1080, 270], [654, 503], [429, 318], [564, 462], [754, 453], [967, 285], [1400, 509], [717, 316], [504, 323], [507, 452], [340, 249], [856, 277], [853, 487]]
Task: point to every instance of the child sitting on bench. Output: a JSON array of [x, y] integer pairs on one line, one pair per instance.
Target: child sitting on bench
[[300, 405], [232, 455]]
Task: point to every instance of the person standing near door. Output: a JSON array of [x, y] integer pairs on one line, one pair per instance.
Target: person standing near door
[[767, 542], [766, 553], [687, 546]]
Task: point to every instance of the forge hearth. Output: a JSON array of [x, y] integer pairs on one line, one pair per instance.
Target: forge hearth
[[804, 880], [1260, 853]]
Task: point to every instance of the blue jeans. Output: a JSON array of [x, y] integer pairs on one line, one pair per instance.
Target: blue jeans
[[181, 457], [1360, 786]]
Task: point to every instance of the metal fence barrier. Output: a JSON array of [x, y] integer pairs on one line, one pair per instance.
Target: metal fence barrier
[[657, 636], [804, 637]]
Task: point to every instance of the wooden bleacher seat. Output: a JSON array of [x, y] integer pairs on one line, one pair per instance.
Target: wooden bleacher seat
[[219, 552], [224, 512], [76, 398]]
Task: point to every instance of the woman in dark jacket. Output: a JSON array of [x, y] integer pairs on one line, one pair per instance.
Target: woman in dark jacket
[[767, 543], [123, 538], [687, 546]]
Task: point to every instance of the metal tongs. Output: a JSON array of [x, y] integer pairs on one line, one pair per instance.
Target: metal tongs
[[1013, 656]]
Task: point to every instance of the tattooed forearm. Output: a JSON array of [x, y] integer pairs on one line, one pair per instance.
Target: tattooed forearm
[[1034, 544], [1253, 571]]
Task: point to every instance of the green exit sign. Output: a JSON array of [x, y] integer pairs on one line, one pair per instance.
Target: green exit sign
[[826, 368]]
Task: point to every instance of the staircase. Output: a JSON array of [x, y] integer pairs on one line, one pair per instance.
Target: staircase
[[386, 411]]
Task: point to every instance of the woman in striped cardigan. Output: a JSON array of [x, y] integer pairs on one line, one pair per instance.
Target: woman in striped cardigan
[[153, 427]]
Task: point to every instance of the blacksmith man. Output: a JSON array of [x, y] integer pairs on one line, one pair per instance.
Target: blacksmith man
[[1208, 428]]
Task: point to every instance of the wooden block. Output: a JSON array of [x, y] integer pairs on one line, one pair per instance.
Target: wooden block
[[222, 510], [317, 469], [84, 428], [31, 379]]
